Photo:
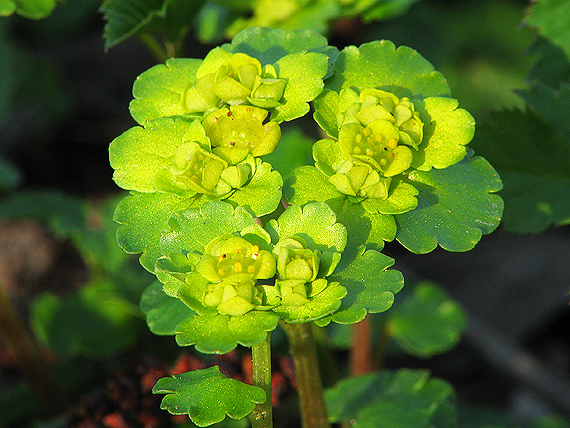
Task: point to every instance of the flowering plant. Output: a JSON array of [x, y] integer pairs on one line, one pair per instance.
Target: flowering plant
[[205, 209]]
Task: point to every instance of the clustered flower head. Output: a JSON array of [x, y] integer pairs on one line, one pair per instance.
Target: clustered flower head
[[239, 80], [377, 136], [232, 265]]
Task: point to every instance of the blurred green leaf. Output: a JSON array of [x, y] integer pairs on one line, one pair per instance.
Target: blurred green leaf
[[552, 67], [427, 322], [401, 399], [10, 176], [17, 405], [553, 104], [96, 321], [163, 313], [533, 161], [207, 396], [552, 18], [32, 9]]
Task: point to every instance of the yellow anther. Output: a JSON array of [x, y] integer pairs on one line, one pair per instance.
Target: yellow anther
[[357, 150], [195, 166], [382, 162], [392, 143], [251, 269], [238, 267], [369, 152], [200, 157], [255, 249], [378, 138], [222, 272], [221, 258], [358, 138], [195, 179]]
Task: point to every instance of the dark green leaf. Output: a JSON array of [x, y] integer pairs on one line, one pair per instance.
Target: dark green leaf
[[552, 17], [168, 18], [427, 322], [10, 176], [371, 287], [207, 396], [219, 334], [163, 313], [552, 104], [535, 171], [96, 321], [552, 67], [455, 207], [402, 399]]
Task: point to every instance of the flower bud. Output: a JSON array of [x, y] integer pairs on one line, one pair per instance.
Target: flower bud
[[194, 170]]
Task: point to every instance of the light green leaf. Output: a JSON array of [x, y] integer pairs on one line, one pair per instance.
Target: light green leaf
[[315, 222], [552, 17], [207, 396], [158, 91], [380, 65], [371, 287], [32, 9], [191, 230], [304, 73], [294, 150], [455, 207], [269, 45], [263, 192], [401, 399], [318, 306], [221, 333], [139, 153], [163, 313], [143, 217], [308, 184], [427, 322], [535, 171], [402, 199], [447, 129]]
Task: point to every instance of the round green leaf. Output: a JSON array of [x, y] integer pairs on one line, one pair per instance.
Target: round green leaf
[[269, 45], [455, 207], [263, 192], [139, 153], [308, 184], [324, 303], [371, 287], [31, 9], [143, 217], [447, 129], [219, 334], [207, 396], [163, 313], [192, 229], [158, 91], [379, 64], [315, 222], [427, 322], [401, 399]]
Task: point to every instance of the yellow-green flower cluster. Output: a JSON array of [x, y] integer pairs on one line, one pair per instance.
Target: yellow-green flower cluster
[[377, 138], [232, 265]]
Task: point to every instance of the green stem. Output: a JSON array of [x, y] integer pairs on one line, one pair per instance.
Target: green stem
[[311, 400], [152, 44], [262, 415]]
